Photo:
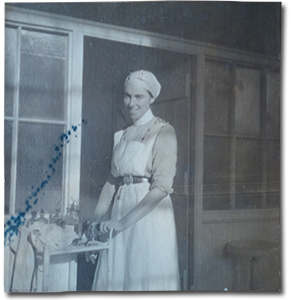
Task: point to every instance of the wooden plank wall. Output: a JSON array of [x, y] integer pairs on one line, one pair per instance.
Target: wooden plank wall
[[218, 271]]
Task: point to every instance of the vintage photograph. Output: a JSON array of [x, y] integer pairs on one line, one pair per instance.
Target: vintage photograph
[[142, 146]]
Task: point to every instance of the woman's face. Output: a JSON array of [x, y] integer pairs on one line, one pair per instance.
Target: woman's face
[[137, 101]]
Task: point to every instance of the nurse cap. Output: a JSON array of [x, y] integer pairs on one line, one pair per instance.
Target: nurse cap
[[145, 79]]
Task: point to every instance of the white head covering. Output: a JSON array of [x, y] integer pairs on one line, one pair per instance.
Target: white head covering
[[145, 79]]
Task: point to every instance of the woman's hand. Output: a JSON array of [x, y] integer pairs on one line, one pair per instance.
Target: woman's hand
[[108, 225], [105, 226]]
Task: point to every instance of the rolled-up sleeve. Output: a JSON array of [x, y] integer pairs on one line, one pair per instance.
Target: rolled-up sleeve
[[164, 159]]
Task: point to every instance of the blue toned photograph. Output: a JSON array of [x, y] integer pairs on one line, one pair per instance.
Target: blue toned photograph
[[142, 147]]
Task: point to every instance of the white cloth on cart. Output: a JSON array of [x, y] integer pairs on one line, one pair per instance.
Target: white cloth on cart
[[41, 235]]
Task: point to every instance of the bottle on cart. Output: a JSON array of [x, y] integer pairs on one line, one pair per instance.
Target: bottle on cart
[[32, 219], [42, 219], [58, 219], [68, 216]]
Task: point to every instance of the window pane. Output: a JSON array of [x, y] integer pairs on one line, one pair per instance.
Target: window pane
[[247, 96], [273, 105], [273, 200], [44, 44], [10, 62], [7, 163], [248, 168], [218, 95], [248, 200], [216, 201], [36, 150], [216, 174], [216, 160], [273, 173], [43, 76]]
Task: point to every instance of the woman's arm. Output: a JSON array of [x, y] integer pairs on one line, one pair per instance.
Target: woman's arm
[[144, 207]]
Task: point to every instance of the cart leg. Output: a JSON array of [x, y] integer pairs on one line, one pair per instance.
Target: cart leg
[[46, 265], [110, 265], [73, 273]]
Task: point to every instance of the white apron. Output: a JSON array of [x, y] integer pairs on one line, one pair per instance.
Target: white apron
[[144, 255]]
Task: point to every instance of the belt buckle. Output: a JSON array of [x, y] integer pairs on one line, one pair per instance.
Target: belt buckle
[[128, 179]]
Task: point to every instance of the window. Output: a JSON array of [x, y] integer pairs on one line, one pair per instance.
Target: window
[[36, 116], [241, 137]]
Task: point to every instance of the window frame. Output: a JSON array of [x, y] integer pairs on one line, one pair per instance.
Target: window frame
[[233, 136], [72, 115]]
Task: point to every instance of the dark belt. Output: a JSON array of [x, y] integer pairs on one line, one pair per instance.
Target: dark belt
[[131, 179]]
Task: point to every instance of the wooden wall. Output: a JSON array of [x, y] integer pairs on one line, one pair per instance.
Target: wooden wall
[[219, 271]]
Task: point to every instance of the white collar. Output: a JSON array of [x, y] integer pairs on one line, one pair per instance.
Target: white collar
[[144, 119]]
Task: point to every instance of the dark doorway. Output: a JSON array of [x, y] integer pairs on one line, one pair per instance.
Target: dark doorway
[[106, 65]]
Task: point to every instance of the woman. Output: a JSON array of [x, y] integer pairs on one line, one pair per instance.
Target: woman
[[142, 172]]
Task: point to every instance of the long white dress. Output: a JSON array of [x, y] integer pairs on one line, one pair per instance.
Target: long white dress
[[144, 255]]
